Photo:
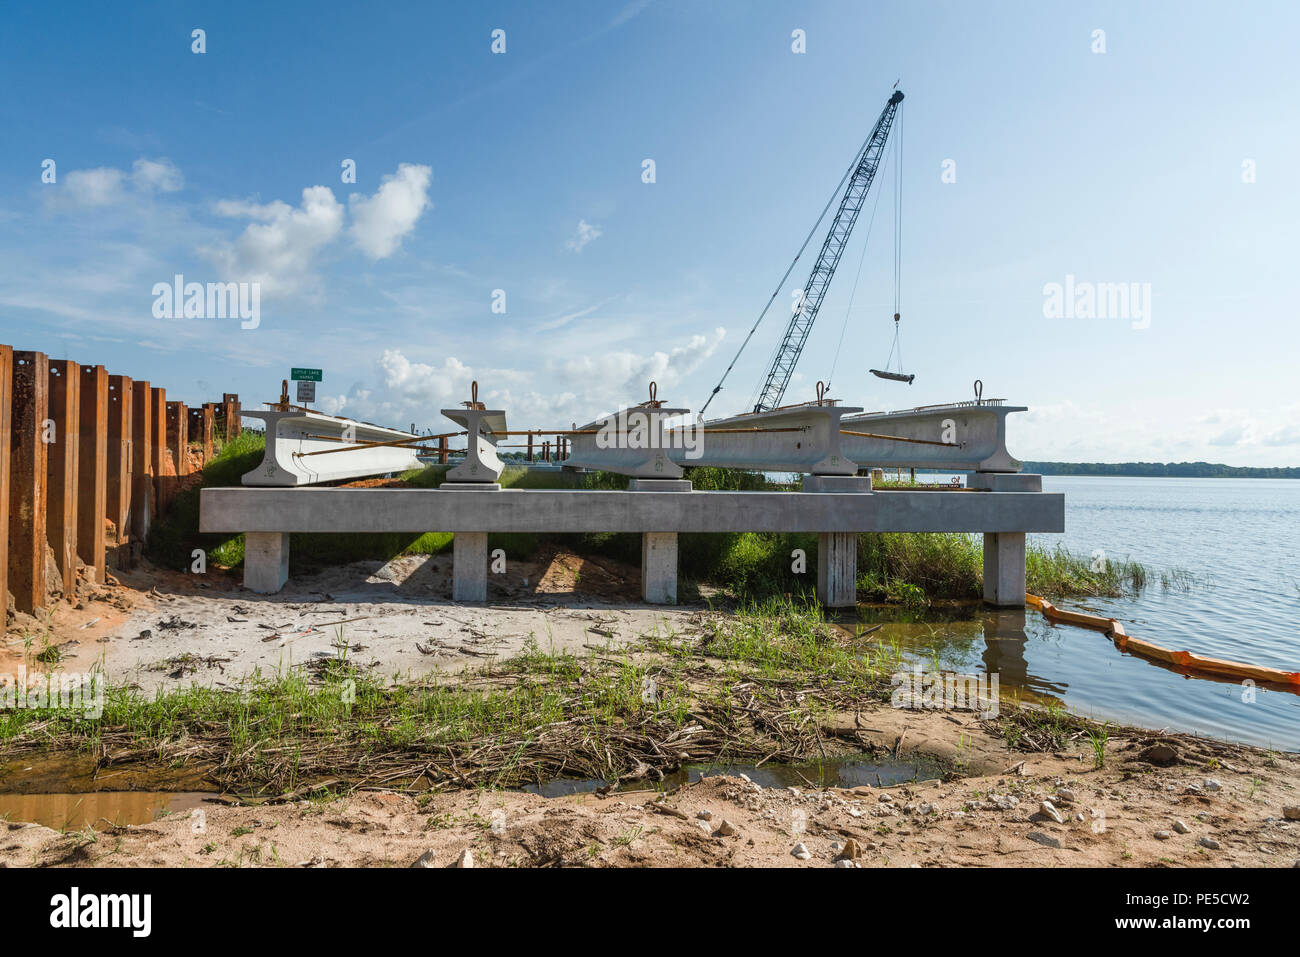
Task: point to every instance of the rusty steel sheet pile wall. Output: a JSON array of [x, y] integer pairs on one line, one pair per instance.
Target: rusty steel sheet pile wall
[[87, 459]]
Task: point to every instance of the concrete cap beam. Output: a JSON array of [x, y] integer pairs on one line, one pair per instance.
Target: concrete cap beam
[[553, 510]]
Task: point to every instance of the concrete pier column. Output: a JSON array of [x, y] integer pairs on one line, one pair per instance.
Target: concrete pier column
[[266, 561], [469, 566], [1004, 569], [837, 552], [659, 549], [837, 569], [659, 568]]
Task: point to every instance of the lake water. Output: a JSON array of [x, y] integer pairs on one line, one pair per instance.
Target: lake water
[[1240, 541]]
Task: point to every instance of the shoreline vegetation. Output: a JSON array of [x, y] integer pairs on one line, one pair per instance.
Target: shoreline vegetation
[[910, 569]]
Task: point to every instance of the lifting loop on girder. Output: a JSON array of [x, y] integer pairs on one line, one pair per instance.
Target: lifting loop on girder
[[473, 402], [654, 402], [979, 392]]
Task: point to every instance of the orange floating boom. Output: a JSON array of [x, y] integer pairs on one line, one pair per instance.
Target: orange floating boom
[[1146, 649]]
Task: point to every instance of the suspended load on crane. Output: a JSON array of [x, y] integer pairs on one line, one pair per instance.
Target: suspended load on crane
[[900, 375]]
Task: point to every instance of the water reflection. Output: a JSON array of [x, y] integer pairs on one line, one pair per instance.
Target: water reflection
[[842, 772], [1042, 663], [100, 810], [1006, 644]]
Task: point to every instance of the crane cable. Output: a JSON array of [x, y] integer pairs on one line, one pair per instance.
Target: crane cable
[[898, 244], [854, 294], [776, 292]]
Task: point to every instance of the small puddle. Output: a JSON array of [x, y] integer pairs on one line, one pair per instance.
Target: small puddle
[[66, 792], [848, 772], [100, 810]]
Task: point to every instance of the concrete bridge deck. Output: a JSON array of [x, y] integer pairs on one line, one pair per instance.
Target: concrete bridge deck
[[267, 516]]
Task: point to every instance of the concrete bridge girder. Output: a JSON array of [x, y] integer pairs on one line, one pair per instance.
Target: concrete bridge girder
[[632, 441], [290, 435], [809, 441], [974, 438]]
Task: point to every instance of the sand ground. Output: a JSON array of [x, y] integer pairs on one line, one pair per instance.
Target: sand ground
[[168, 630], [1126, 814], [1215, 804]]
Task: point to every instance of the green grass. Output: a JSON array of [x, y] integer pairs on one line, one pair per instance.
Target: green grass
[[914, 568], [1058, 573], [175, 535]]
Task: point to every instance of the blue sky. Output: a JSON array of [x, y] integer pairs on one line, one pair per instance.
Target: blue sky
[[522, 172]]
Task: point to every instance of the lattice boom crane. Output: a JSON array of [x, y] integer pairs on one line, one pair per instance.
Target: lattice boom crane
[[801, 322]]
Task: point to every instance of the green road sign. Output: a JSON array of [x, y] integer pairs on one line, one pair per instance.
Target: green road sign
[[305, 375]]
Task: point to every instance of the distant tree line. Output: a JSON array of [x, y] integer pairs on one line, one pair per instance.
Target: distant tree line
[[1160, 469]]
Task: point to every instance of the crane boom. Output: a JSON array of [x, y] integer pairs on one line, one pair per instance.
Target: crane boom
[[801, 322]]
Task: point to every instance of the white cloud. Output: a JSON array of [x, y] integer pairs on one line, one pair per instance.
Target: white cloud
[[280, 248], [93, 187], [379, 222], [628, 12], [1241, 428], [418, 382], [1286, 435], [159, 175], [1232, 435], [407, 391], [404, 391], [612, 379], [586, 233], [107, 186]]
